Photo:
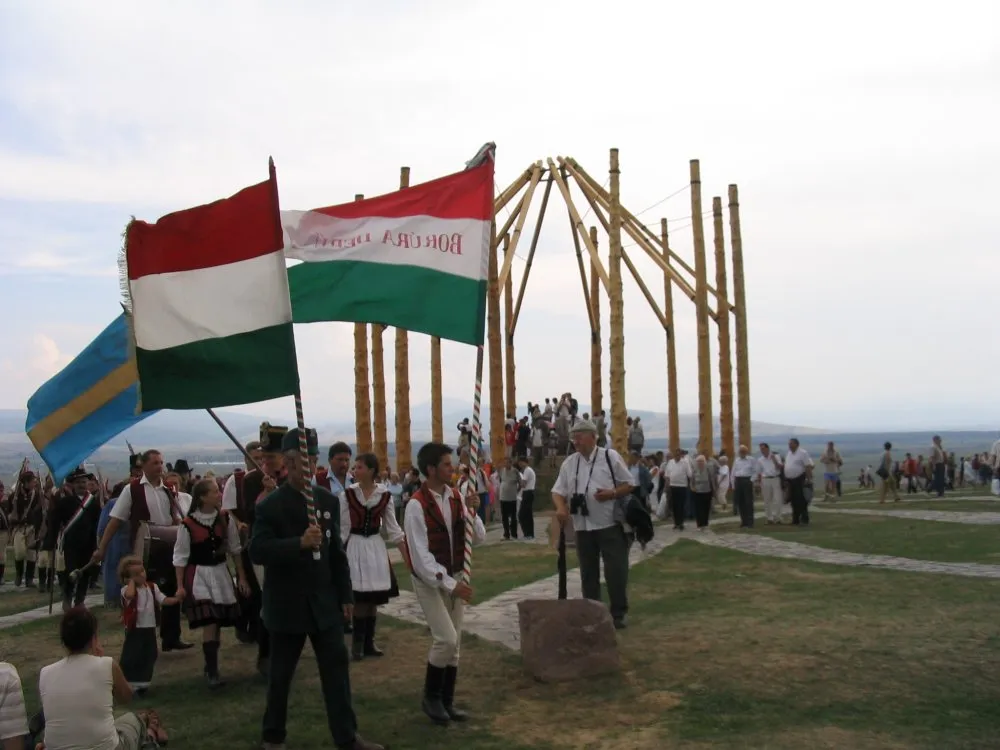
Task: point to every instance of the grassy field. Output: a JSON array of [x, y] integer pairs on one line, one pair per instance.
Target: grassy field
[[20, 600], [875, 535], [724, 651]]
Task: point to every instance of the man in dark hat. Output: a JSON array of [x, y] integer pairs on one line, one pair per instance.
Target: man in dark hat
[[255, 485], [72, 528], [305, 596], [182, 469], [26, 516]]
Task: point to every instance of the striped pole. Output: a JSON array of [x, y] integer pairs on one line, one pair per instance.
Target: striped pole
[[474, 447], [304, 452]]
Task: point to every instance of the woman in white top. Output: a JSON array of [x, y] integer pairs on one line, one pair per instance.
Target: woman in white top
[[366, 515], [722, 489], [79, 692]]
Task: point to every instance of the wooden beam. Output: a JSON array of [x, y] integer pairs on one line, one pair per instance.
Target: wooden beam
[[404, 445], [596, 391], [619, 410], [512, 218], [508, 314], [705, 423], [495, 351], [725, 353], [673, 408], [630, 219], [645, 290], [380, 442], [536, 175], [513, 189], [578, 224], [740, 298], [583, 274], [362, 384], [531, 253]]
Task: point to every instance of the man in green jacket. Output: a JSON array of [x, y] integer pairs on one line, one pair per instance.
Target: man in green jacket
[[304, 596]]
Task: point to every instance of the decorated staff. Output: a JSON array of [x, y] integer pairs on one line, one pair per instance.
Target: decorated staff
[[72, 530], [435, 525]]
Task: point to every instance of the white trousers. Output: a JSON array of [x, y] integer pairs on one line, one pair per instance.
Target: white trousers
[[444, 614], [774, 498]]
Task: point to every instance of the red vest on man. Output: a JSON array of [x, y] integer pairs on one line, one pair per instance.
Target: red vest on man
[[140, 508], [448, 550], [364, 520], [323, 480]]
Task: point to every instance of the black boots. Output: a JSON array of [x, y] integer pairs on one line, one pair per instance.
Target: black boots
[[211, 651], [18, 573], [29, 574], [2, 567], [433, 702], [370, 648], [43, 576], [448, 695], [358, 633]]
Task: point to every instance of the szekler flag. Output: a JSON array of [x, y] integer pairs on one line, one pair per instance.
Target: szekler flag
[[211, 315], [415, 259]]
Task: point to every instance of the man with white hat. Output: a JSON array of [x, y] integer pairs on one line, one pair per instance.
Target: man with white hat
[[588, 489]]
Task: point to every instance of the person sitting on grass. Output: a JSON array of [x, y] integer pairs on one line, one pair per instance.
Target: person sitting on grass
[[79, 691], [13, 719]]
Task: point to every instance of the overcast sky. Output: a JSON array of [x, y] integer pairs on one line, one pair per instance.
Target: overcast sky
[[863, 138]]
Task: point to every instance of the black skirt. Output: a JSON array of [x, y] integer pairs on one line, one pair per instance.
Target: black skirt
[[139, 654]]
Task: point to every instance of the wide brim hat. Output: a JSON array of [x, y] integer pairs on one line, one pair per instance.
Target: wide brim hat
[[181, 466], [271, 437], [290, 442], [77, 474]]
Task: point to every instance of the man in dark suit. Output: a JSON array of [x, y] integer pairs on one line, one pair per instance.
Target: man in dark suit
[[304, 596]]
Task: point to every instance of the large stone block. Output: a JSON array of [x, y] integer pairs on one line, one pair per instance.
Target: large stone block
[[567, 640]]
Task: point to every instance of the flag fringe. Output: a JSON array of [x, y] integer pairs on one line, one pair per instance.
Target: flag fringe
[[125, 291]]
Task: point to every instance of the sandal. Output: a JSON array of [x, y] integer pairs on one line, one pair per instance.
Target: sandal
[[154, 729]]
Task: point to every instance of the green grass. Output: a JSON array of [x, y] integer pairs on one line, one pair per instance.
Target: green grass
[[725, 650], [21, 600], [884, 535]]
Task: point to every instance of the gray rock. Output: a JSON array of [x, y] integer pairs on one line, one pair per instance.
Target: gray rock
[[567, 640]]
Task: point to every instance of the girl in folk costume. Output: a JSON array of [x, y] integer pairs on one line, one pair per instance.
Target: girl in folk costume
[[435, 553], [141, 600], [206, 537], [366, 513]]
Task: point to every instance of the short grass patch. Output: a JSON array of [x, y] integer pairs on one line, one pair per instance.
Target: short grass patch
[[21, 600], [889, 535]]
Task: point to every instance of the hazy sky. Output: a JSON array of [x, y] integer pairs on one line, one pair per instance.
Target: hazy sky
[[863, 138]]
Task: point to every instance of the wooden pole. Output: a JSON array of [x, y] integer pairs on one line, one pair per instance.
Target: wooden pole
[[404, 446], [381, 440], [437, 393], [495, 354], [508, 256], [531, 254], [513, 189], [508, 316], [596, 396], [362, 389], [582, 269], [617, 341], [725, 353], [705, 426], [673, 409], [740, 300]]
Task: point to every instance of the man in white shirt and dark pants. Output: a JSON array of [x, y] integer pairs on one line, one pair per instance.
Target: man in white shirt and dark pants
[[586, 490], [526, 513], [769, 478], [744, 468], [798, 467]]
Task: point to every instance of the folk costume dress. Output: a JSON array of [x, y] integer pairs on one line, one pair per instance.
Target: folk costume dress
[[362, 520], [140, 616], [435, 553], [204, 542]]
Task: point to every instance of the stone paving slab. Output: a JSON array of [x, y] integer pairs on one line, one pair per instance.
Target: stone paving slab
[[767, 547], [40, 613], [974, 518]]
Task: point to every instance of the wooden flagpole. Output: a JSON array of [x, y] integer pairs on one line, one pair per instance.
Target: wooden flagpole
[[508, 319], [362, 387], [673, 416], [404, 446]]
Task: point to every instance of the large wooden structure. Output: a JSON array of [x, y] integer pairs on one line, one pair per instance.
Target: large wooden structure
[[712, 305]]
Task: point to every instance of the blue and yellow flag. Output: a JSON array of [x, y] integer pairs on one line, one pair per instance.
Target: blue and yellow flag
[[93, 399]]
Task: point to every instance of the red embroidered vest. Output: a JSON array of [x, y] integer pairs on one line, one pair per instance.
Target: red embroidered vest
[[448, 552], [323, 480], [140, 508], [208, 544], [130, 608], [366, 521]]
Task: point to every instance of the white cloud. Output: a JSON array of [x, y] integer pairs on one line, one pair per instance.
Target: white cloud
[[865, 154]]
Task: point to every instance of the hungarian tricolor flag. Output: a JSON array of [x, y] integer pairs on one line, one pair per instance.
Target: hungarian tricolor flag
[[415, 259], [210, 312]]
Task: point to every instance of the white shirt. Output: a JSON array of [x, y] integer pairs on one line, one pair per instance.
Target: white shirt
[[392, 532], [184, 502], [528, 479], [995, 455], [579, 474], [78, 704], [744, 467], [229, 494], [145, 611], [796, 463], [678, 472], [769, 466], [13, 718], [415, 527], [157, 498]]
